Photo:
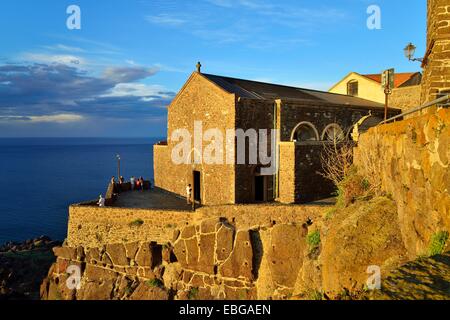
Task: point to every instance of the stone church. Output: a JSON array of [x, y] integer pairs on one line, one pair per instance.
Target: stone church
[[306, 119]]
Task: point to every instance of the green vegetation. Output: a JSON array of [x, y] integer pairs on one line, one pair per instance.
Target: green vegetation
[[313, 239], [316, 295], [154, 283], [193, 293], [438, 242], [136, 223], [365, 184], [352, 188]]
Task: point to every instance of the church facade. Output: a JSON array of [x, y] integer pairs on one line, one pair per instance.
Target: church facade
[[304, 120]]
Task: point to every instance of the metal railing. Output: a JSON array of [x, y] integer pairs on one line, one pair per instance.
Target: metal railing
[[444, 99]]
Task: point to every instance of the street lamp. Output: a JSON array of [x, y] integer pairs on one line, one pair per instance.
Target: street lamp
[[118, 166], [410, 50]]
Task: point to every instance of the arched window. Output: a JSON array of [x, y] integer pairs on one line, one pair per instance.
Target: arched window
[[305, 131], [352, 88], [333, 133]]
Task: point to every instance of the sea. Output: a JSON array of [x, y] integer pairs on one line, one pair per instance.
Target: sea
[[41, 177]]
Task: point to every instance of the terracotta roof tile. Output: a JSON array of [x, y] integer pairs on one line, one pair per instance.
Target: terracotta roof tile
[[399, 78]]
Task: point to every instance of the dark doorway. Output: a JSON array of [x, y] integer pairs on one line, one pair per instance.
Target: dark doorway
[[260, 188], [197, 186]]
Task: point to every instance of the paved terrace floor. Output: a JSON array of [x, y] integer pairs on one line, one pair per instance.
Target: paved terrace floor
[[159, 199], [151, 199]]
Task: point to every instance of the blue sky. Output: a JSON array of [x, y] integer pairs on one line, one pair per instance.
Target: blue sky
[[116, 75]]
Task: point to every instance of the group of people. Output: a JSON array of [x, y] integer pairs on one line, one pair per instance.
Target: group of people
[[136, 183]]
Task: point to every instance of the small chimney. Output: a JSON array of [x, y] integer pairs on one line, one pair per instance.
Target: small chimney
[[199, 67]]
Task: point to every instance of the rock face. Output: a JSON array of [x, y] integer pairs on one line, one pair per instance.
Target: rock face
[[211, 259], [412, 160], [116, 271], [360, 237], [217, 261], [208, 260], [23, 266], [423, 279]]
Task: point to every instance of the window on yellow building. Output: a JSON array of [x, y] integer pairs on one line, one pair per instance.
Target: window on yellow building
[[352, 88]]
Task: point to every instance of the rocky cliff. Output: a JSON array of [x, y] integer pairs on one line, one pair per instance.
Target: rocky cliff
[[214, 260]]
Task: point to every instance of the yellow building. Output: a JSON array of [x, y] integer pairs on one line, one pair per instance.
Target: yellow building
[[368, 86]]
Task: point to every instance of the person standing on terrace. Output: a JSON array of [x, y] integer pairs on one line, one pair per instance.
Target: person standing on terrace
[[133, 181], [101, 201], [188, 194], [141, 183]]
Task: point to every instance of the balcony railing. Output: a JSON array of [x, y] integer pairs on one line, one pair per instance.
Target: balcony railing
[[443, 102]]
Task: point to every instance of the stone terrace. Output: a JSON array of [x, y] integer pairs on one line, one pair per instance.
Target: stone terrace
[[151, 199]]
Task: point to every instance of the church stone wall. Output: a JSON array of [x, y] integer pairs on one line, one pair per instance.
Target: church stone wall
[[200, 100]]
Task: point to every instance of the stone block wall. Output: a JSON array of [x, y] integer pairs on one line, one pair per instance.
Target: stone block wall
[[91, 226], [412, 158], [257, 115], [286, 192], [300, 173], [436, 75], [199, 100], [310, 185], [210, 259], [406, 98], [219, 252], [254, 216]]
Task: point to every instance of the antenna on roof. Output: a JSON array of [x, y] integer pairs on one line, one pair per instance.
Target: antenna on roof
[[199, 67]]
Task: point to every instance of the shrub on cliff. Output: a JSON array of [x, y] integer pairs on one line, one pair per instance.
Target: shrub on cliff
[[337, 160], [438, 242], [337, 165], [353, 187], [313, 239]]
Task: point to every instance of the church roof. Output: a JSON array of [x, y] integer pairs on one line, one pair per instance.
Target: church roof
[[268, 91]]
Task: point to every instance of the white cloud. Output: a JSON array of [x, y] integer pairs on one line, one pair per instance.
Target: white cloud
[[147, 92], [166, 19], [50, 59], [62, 47], [55, 118]]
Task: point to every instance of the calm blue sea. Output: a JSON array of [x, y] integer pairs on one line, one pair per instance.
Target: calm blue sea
[[42, 176]]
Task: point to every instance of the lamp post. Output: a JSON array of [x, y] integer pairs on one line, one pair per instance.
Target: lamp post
[[118, 166], [410, 50], [387, 82]]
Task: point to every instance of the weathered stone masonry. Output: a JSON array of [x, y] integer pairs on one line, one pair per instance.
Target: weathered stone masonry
[[436, 76], [413, 156]]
